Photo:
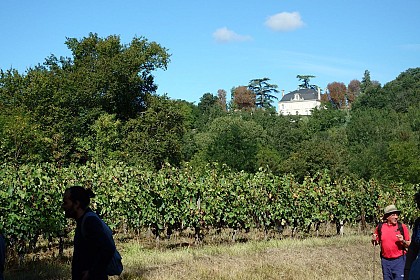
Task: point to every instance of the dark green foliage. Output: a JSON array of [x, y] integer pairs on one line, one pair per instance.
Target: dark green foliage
[[325, 119], [403, 164], [324, 151], [64, 97], [305, 79], [373, 97], [232, 141], [207, 110], [398, 94], [264, 92], [115, 76], [368, 133], [155, 136], [366, 82], [104, 141], [207, 101], [269, 159], [404, 91], [283, 133]]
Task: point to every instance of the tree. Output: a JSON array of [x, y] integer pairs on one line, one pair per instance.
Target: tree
[[369, 132], [283, 132], [65, 96], [325, 98], [264, 92], [243, 98], [155, 137], [323, 151], [366, 81], [232, 141], [372, 97], [207, 101], [221, 95], [21, 140], [353, 91], [404, 91], [11, 87], [209, 109], [403, 162], [337, 92], [305, 79], [104, 141], [118, 76], [269, 158], [324, 120], [189, 111]]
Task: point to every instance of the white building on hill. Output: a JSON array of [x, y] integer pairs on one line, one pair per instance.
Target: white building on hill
[[300, 102]]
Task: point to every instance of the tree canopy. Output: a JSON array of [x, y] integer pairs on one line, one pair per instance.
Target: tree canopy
[[264, 92], [305, 79], [100, 105], [65, 96]]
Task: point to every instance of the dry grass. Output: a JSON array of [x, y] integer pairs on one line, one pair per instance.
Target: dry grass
[[314, 258], [349, 257]]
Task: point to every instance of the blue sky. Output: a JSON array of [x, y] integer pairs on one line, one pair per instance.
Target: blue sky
[[223, 44]]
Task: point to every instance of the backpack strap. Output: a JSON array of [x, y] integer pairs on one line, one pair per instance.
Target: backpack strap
[[401, 230], [380, 231], [87, 214]]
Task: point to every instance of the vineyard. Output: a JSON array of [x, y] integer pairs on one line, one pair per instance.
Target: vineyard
[[131, 199]]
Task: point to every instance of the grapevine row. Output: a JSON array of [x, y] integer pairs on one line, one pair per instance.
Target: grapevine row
[[129, 198]]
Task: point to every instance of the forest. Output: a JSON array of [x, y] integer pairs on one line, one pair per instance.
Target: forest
[[101, 106]]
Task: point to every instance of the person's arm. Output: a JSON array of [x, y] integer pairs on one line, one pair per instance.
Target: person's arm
[[404, 241], [375, 238], [102, 243]]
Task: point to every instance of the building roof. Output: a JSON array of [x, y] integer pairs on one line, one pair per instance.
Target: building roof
[[301, 94]]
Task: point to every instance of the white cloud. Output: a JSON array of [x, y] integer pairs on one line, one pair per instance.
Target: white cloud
[[284, 21], [224, 35]]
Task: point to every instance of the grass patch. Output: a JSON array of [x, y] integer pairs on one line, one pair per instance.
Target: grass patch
[[349, 257]]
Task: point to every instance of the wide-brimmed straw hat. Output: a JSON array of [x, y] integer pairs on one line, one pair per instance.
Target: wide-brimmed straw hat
[[390, 209]]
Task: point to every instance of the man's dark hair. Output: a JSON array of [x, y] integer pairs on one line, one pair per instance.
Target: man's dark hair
[[78, 193]]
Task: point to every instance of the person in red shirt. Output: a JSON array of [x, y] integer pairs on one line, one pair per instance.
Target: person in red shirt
[[394, 239]]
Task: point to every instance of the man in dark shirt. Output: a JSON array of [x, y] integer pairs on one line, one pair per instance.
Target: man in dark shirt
[[93, 248]]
